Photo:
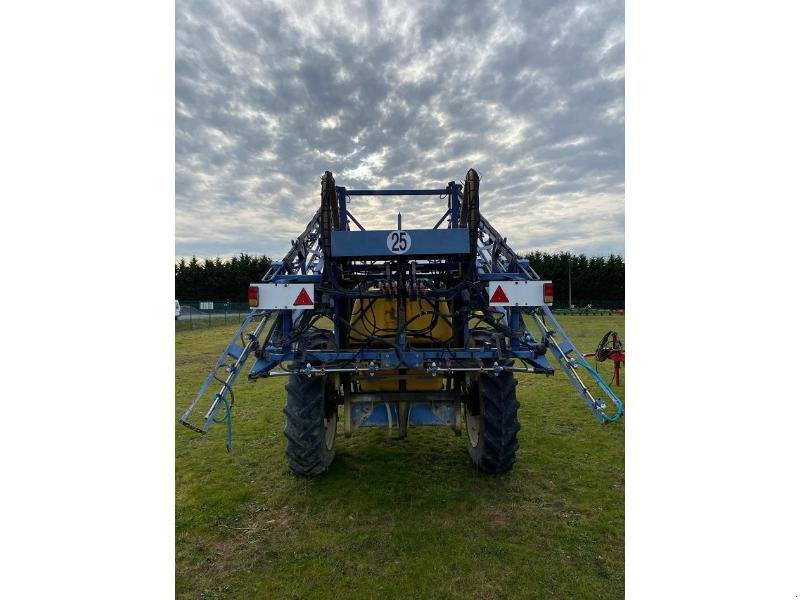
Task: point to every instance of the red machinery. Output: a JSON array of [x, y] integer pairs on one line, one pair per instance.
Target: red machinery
[[615, 351]]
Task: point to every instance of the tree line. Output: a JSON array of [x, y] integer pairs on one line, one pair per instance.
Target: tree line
[[596, 280], [218, 279]]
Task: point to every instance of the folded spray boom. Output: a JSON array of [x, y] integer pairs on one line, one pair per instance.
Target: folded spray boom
[[399, 326]]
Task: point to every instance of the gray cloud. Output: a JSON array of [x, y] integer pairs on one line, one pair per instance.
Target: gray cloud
[[270, 95]]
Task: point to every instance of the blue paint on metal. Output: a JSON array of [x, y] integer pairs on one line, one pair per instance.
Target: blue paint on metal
[[366, 414], [441, 219], [342, 208], [391, 359], [515, 325], [503, 277], [372, 415], [455, 204], [424, 413], [234, 350], [424, 242], [355, 221], [261, 368], [297, 279], [436, 192], [442, 251], [287, 325]]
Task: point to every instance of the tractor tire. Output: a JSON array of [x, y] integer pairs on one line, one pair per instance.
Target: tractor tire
[[311, 418], [491, 422]]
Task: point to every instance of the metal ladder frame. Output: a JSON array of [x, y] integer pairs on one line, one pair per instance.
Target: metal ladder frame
[[569, 359], [239, 352]]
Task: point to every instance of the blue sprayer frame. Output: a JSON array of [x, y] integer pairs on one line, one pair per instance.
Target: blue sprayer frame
[[355, 253]]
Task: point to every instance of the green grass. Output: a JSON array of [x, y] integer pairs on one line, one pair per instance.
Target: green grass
[[400, 519]]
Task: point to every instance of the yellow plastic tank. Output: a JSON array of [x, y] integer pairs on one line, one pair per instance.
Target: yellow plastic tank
[[380, 319], [416, 381]]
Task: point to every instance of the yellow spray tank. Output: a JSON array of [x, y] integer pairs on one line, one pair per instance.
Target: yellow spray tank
[[378, 317]]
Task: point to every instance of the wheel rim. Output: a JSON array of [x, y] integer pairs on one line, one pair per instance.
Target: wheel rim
[[329, 423], [474, 422], [473, 428]]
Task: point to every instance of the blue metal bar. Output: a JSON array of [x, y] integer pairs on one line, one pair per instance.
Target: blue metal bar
[[398, 192], [390, 360], [455, 204], [354, 220], [515, 325], [412, 358], [286, 326], [289, 278], [503, 277], [440, 221], [342, 208]]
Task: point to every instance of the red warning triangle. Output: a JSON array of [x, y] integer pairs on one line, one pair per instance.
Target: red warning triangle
[[303, 299], [499, 295]]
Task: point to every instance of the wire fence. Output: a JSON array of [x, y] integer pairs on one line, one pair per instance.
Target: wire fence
[[589, 310], [197, 314]]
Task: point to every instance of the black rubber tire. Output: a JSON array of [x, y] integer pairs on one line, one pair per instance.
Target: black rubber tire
[[307, 448], [310, 415], [493, 447]]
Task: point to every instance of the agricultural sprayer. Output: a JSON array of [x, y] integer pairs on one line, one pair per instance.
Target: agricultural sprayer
[[399, 327]]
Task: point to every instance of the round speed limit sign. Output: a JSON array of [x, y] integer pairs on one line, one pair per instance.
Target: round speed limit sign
[[398, 242]]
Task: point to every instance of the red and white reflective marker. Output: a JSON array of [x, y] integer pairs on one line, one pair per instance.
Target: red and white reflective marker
[[499, 296], [281, 296], [520, 293], [303, 299]]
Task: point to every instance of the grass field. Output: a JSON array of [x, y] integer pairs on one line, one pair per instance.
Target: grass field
[[400, 519]]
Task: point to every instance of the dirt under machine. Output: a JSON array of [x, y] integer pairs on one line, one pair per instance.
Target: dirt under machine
[[399, 327]]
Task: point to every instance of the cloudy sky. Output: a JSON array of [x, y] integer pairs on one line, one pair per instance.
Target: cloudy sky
[[399, 94]]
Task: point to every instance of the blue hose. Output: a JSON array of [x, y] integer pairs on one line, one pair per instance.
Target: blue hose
[[605, 387], [228, 417]]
